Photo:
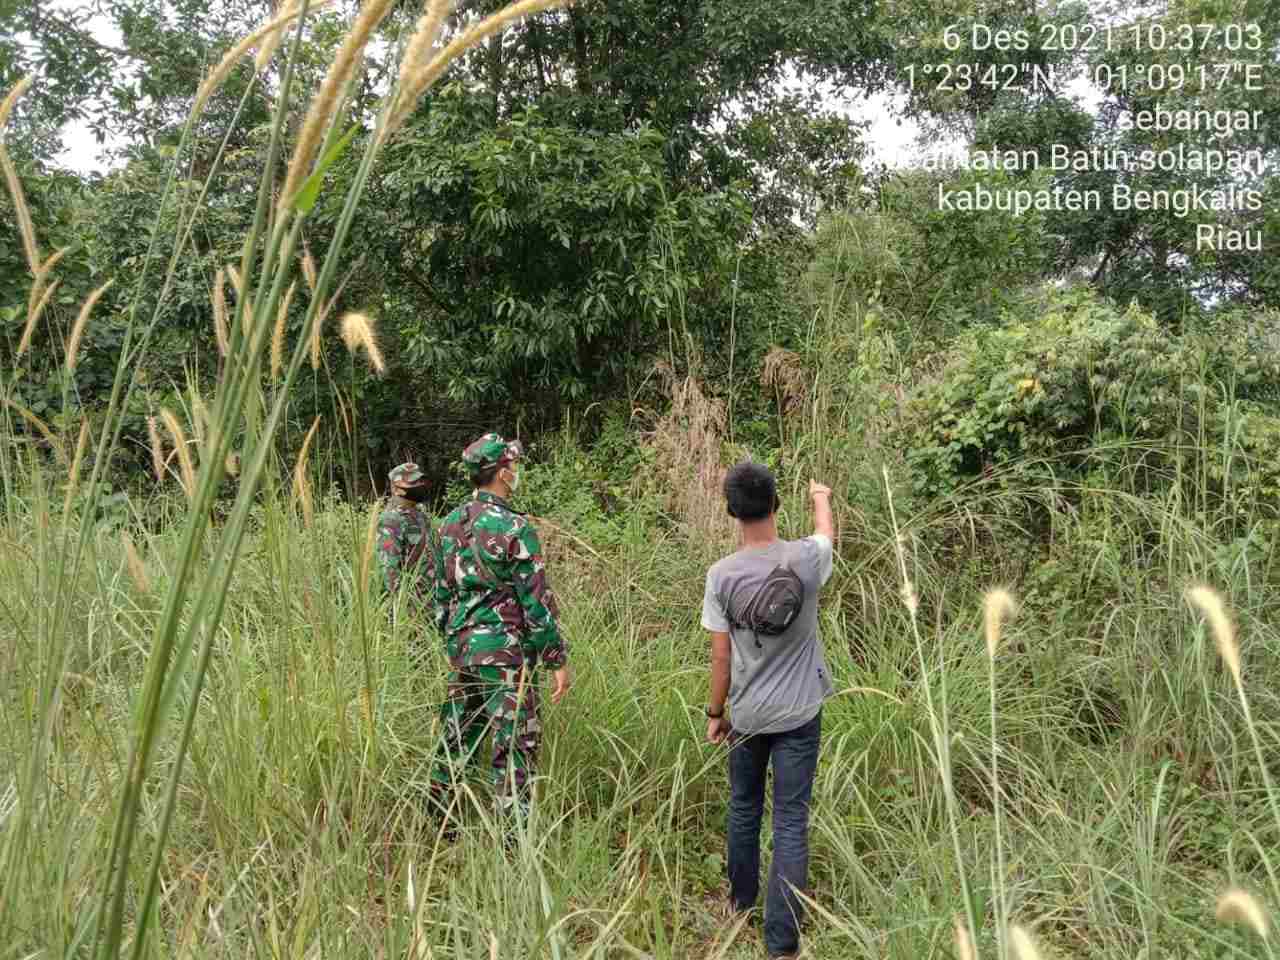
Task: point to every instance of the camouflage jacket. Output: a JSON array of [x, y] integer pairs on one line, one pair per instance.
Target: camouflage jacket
[[493, 602], [406, 545]]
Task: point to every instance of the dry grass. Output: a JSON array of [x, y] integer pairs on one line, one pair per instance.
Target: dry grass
[[220, 313], [25, 228], [185, 464], [784, 372], [133, 561], [1240, 906], [997, 606], [157, 448], [301, 486], [417, 81], [269, 34], [1024, 947], [687, 442], [325, 101], [358, 333], [34, 313], [1208, 601], [77, 330], [277, 335]]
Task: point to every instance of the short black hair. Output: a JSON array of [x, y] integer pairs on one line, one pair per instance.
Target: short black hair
[[750, 491], [482, 478]]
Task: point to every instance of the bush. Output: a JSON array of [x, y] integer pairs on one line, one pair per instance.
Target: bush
[[1081, 379]]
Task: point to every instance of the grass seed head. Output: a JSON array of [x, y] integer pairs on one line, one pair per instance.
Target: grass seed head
[[137, 569], [157, 448], [1209, 602], [270, 32], [33, 314], [184, 455], [326, 99], [358, 332], [909, 597], [422, 77], [247, 309], [271, 42], [220, 314], [11, 99], [964, 942], [77, 330], [20, 209], [55, 444], [301, 486], [370, 537], [417, 53], [73, 482], [1240, 906], [51, 262], [39, 295], [199, 419], [309, 270], [316, 328], [1024, 948], [277, 335], [997, 606]]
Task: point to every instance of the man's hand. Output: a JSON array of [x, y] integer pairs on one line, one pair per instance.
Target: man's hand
[[823, 522], [563, 682], [717, 729]]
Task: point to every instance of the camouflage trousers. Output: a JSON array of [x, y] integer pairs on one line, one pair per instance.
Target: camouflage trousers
[[479, 700]]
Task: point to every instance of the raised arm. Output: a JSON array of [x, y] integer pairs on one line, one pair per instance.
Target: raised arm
[[822, 522]]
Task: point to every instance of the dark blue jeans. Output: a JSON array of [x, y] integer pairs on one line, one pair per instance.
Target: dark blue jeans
[[794, 755]]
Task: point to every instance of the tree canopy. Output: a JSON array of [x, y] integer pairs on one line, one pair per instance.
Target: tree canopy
[[626, 180]]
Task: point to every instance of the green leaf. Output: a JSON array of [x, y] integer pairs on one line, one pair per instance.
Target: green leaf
[[310, 191]]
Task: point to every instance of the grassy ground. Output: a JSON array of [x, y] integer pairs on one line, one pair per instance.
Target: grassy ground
[[1130, 792]]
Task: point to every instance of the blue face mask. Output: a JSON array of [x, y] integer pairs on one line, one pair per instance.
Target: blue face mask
[[515, 479]]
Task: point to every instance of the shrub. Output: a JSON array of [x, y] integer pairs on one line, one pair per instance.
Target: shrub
[[1080, 380]]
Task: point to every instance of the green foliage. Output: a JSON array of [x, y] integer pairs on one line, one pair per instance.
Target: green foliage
[[935, 269], [1072, 378], [533, 259]]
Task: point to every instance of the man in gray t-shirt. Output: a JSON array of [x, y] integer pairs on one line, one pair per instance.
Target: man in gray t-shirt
[[775, 686]]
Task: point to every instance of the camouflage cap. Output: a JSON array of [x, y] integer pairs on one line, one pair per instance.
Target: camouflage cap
[[410, 474], [490, 451]]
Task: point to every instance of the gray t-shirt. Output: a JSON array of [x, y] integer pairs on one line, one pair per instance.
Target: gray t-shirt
[[778, 683]]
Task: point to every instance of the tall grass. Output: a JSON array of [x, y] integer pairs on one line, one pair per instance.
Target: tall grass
[[299, 827], [190, 618], [217, 741]]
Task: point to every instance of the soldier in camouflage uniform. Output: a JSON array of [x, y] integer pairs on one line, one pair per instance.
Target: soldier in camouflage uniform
[[499, 618], [405, 545]]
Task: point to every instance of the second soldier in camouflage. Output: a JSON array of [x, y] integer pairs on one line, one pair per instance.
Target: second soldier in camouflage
[[405, 545], [499, 618]]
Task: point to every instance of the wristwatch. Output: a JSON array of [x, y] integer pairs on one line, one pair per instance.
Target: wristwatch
[[713, 716]]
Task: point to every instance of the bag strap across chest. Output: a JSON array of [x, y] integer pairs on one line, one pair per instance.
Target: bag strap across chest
[[773, 606]]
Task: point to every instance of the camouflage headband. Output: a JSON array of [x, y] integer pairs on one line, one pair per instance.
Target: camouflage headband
[[410, 474], [491, 451]]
